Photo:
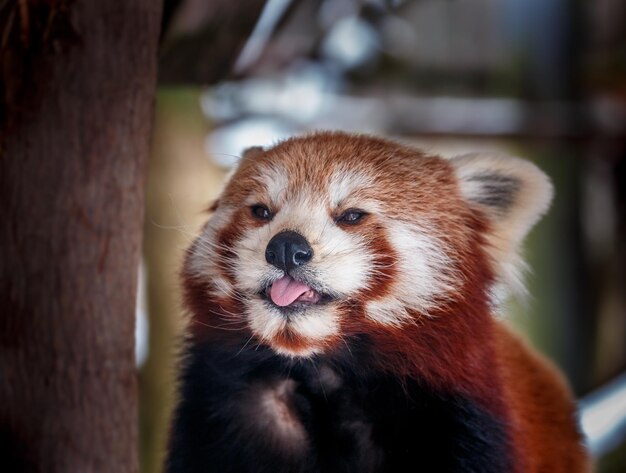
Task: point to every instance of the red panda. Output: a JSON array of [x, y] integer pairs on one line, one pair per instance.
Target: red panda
[[342, 300]]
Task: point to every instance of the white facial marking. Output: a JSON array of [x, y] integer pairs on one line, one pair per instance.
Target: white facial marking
[[206, 250], [423, 277], [388, 311], [344, 184], [221, 287], [266, 322], [316, 324], [276, 181]]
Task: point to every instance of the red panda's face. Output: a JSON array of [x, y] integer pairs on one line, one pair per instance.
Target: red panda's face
[[321, 236]]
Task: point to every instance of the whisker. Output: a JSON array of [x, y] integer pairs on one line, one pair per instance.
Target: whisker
[[217, 327], [244, 346]]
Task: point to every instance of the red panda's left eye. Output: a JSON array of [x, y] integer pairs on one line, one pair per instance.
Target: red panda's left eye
[[351, 216], [261, 212]]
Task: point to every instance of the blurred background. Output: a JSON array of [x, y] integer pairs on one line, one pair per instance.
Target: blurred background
[[541, 79]]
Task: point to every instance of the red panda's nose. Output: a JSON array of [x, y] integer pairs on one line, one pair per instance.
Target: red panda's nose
[[287, 250]]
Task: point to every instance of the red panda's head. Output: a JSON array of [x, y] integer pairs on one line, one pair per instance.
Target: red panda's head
[[330, 235]]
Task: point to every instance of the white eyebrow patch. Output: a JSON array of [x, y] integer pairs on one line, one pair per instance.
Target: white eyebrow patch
[[275, 180], [344, 183]]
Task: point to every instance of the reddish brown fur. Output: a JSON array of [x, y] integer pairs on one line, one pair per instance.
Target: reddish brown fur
[[536, 391], [385, 259], [291, 341]]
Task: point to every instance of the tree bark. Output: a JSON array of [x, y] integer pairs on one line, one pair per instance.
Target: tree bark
[[78, 82]]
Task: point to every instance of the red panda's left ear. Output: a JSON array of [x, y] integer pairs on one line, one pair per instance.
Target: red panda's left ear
[[247, 155], [513, 194], [252, 152]]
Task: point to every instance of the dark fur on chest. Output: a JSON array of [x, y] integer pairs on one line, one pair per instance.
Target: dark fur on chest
[[252, 411]]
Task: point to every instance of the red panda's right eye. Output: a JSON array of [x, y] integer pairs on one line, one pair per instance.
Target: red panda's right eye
[[351, 216], [261, 212]]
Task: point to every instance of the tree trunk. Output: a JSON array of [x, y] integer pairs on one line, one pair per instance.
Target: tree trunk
[[78, 82]]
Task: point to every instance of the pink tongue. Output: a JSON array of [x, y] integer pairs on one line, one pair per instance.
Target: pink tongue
[[286, 290]]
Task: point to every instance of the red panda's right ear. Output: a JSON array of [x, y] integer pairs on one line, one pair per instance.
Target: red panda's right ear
[[513, 194]]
